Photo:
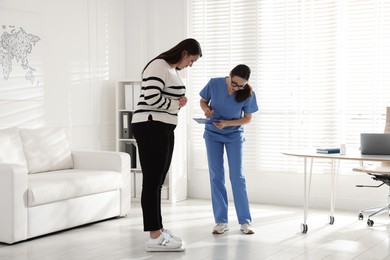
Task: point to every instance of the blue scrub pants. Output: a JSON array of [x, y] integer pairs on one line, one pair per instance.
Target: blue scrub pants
[[234, 151]]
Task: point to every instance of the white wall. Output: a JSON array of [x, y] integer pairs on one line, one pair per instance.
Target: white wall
[[78, 60], [152, 26]]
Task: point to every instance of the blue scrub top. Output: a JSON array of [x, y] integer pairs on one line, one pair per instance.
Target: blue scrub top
[[226, 108]]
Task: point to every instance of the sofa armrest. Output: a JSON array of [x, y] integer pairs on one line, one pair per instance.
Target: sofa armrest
[[108, 161], [13, 203], [101, 160]]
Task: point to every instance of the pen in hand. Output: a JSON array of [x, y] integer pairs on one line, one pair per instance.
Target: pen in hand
[[208, 112]]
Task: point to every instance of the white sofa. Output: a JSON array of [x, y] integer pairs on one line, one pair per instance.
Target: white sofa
[[46, 187]]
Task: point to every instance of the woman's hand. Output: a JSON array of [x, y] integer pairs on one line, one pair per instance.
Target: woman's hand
[[208, 112], [182, 101], [204, 104], [236, 122], [221, 124]]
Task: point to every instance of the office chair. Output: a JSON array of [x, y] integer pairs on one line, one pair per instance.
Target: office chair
[[379, 173]]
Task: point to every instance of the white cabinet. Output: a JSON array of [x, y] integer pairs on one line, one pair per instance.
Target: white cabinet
[[175, 185]]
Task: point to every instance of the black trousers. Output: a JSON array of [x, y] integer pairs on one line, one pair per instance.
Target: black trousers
[[155, 141]]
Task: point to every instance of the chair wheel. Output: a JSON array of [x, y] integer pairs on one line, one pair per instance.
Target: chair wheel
[[331, 220], [370, 222], [304, 228], [361, 216]]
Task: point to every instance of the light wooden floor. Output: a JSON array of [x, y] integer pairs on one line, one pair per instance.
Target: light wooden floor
[[277, 237]]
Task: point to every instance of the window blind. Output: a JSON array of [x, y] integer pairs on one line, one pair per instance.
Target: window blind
[[319, 70]]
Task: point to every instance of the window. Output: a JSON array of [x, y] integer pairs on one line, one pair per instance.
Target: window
[[320, 70]]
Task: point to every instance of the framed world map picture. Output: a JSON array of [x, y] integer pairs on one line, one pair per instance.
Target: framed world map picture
[[21, 59]]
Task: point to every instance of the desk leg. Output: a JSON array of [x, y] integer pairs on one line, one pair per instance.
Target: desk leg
[[306, 184], [334, 174]]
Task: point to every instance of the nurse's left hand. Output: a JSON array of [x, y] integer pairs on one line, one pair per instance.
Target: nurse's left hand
[[220, 124]]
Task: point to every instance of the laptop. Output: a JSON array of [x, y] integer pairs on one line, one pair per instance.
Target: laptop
[[375, 143]]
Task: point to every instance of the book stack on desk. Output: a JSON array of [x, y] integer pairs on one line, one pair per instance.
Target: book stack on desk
[[328, 150]]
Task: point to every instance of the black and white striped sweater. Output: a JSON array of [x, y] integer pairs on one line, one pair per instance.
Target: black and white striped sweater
[[161, 89]]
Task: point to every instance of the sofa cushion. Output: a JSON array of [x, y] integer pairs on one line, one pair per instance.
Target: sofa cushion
[[48, 187], [46, 149], [11, 147]]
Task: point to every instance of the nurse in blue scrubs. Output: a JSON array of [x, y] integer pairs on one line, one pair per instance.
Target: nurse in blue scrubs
[[230, 100]]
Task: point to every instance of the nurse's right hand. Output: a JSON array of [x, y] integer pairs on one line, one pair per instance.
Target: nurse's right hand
[[208, 112]]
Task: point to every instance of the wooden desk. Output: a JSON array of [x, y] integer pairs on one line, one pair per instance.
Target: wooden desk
[[335, 159]]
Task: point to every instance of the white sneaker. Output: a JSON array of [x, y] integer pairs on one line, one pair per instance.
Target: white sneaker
[[169, 233], [246, 229], [220, 228], [163, 243]]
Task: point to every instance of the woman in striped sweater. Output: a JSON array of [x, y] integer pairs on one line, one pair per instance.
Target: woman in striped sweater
[[153, 124]]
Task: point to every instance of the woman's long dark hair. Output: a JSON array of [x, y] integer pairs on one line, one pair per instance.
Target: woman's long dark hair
[[174, 55], [242, 71]]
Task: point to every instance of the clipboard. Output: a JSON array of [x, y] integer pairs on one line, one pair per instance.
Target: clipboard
[[206, 120]]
